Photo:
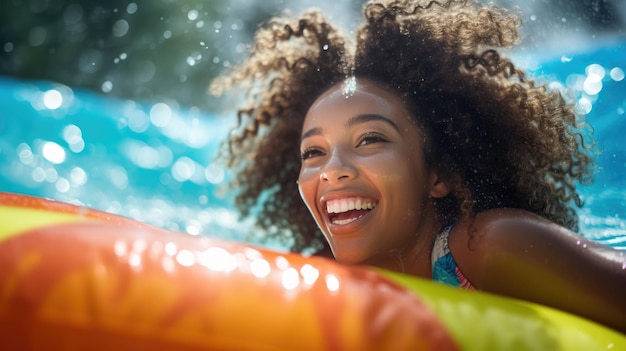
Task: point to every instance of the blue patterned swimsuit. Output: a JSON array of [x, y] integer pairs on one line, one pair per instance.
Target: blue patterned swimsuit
[[445, 269]]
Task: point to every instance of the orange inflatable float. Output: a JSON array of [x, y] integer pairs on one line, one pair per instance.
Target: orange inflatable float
[[73, 278]]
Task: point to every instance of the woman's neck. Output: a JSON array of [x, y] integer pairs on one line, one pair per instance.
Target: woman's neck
[[414, 260]]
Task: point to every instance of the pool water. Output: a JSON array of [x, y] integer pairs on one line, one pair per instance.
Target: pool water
[[148, 161], [153, 160]]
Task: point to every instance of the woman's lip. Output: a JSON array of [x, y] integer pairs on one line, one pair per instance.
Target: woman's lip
[[339, 229]]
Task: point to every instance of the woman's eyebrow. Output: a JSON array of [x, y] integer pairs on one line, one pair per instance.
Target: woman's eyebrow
[[358, 119], [370, 117], [311, 132]]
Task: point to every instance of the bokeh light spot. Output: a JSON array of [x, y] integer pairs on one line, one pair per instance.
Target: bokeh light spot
[[52, 99], [53, 152], [617, 74], [120, 28]]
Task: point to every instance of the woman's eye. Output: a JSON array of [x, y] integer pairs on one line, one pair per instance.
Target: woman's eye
[[371, 138], [310, 153]]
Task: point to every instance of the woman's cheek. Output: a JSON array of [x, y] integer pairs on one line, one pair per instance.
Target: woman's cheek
[[306, 187], [382, 165]]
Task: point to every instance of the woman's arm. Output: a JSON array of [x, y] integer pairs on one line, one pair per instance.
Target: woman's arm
[[518, 254]]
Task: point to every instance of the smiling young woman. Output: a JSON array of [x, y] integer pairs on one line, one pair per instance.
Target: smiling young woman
[[423, 151]]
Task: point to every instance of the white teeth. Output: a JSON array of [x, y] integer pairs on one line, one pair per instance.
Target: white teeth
[[349, 204], [345, 221]]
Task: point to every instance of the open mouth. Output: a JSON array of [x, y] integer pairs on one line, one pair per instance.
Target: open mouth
[[348, 210]]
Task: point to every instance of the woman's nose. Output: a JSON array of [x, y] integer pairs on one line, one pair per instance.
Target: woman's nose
[[339, 167]]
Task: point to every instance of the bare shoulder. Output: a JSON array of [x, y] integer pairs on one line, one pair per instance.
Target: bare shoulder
[[519, 254], [501, 235], [515, 229]]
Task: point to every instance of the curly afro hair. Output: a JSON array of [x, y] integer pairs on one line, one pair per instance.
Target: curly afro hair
[[500, 138]]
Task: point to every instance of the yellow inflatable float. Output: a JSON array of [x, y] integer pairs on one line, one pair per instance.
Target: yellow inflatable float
[[72, 278]]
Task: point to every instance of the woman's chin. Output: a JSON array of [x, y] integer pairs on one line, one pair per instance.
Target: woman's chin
[[351, 258]]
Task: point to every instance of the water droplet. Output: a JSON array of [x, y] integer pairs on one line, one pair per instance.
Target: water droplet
[[38, 175], [78, 176], [131, 8], [192, 15], [107, 86], [62, 185], [184, 169], [8, 47], [595, 69], [160, 114], [349, 87], [25, 153], [120, 28], [51, 175], [72, 134], [617, 74]]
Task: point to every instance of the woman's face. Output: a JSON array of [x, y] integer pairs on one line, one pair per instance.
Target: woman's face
[[363, 175]]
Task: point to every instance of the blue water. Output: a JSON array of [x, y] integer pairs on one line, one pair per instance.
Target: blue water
[[153, 161], [150, 161]]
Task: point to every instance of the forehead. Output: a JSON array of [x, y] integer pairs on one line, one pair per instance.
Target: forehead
[[357, 96]]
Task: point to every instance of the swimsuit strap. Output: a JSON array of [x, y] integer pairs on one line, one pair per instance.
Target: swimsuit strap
[[444, 267]]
